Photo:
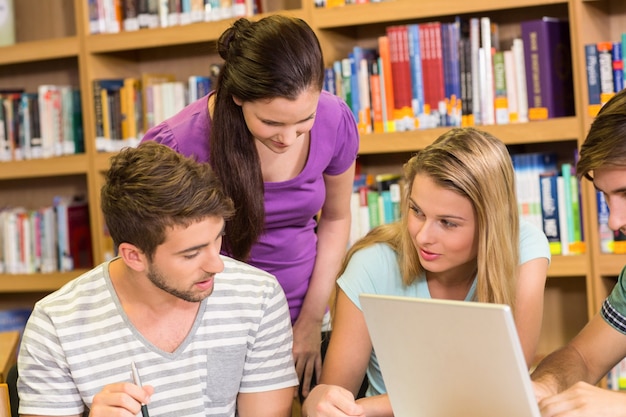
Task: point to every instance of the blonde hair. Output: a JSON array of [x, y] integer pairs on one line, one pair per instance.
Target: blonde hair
[[475, 165]]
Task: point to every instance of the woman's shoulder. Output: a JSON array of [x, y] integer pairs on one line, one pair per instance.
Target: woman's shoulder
[[533, 242], [331, 106]]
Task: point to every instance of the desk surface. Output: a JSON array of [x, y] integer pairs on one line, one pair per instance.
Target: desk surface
[[8, 352]]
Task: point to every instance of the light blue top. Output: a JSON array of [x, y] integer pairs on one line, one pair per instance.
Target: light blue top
[[375, 270]]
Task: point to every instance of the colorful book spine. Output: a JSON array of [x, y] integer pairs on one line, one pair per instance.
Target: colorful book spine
[[618, 66], [605, 63], [604, 231], [592, 67], [501, 104], [550, 211], [520, 79], [548, 68]]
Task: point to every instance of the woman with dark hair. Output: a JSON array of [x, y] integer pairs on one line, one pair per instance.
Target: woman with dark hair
[[285, 152]]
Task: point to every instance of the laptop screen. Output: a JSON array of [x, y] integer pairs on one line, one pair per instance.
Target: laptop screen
[[443, 358]]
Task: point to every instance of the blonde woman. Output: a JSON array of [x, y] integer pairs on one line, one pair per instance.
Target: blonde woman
[[460, 238]]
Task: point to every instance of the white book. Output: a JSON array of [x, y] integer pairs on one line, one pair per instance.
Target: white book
[[520, 79], [10, 239], [7, 23], [48, 240], [488, 116], [511, 86], [475, 68]]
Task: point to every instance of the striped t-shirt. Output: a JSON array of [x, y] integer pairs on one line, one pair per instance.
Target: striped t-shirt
[[78, 339]]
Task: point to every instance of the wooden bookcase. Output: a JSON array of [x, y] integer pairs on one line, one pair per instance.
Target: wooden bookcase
[[54, 47]]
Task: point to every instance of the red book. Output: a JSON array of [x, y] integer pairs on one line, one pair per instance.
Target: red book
[[432, 64], [401, 69]]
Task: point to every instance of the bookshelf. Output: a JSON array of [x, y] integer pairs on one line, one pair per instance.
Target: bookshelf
[[54, 46]]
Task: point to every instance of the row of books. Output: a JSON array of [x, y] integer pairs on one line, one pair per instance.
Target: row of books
[[54, 238], [616, 378], [548, 196], [113, 16], [605, 71], [375, 200], [42, 124], [337, 3], [127, 107], [611, 241], [457, 74]]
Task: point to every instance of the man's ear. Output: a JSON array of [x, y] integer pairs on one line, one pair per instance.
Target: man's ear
[[238, 101], [134, 258]]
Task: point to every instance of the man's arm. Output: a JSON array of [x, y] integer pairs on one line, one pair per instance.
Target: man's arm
[[588, 357], [276, 403]]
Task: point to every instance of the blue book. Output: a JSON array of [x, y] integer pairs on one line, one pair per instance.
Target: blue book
[[605, 233], [593, 73], [415, 61], [329, 81], [550, 210], [618, 67]]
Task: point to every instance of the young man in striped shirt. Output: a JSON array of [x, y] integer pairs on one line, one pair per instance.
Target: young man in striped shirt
[[210, 336]]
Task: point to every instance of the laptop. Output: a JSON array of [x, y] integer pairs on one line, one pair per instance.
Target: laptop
[[442, 358]]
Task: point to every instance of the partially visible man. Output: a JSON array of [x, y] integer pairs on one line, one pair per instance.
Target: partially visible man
[[210, 336], [564, 380]]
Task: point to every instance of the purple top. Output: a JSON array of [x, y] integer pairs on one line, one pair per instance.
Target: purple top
[[288, 247]]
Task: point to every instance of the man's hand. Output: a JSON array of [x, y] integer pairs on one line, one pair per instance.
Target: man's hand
[[331, 401], [121, 399], [584, 400]]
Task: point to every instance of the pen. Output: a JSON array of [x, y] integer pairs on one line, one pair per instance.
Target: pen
[[137, 381]]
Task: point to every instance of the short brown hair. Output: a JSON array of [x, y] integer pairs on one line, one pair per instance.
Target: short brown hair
[[152, 187]]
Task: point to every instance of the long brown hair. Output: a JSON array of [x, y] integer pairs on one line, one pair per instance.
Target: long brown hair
[[278, 56]]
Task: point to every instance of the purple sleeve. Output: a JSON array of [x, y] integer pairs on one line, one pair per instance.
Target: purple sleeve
[[187, 132], [336, 115]]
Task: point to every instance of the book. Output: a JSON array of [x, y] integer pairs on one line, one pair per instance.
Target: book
[[73, 234], [605, 64], [548, 63], [432, 70], [415, 65], [592, 67], [618, 66], [131, 15], [386, 76], [401, 73], [465, 72], [7, 22], [148, 81], [604, 231], [520, 79], [501, 104], [486, 82], [550, 210], [510, 74], [377, 99]]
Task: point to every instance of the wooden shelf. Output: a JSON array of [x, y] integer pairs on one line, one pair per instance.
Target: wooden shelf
[[552, 130], [610, 265], [393, 10], [13, 283], [48, 167], [569, 266], [35, 51]]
